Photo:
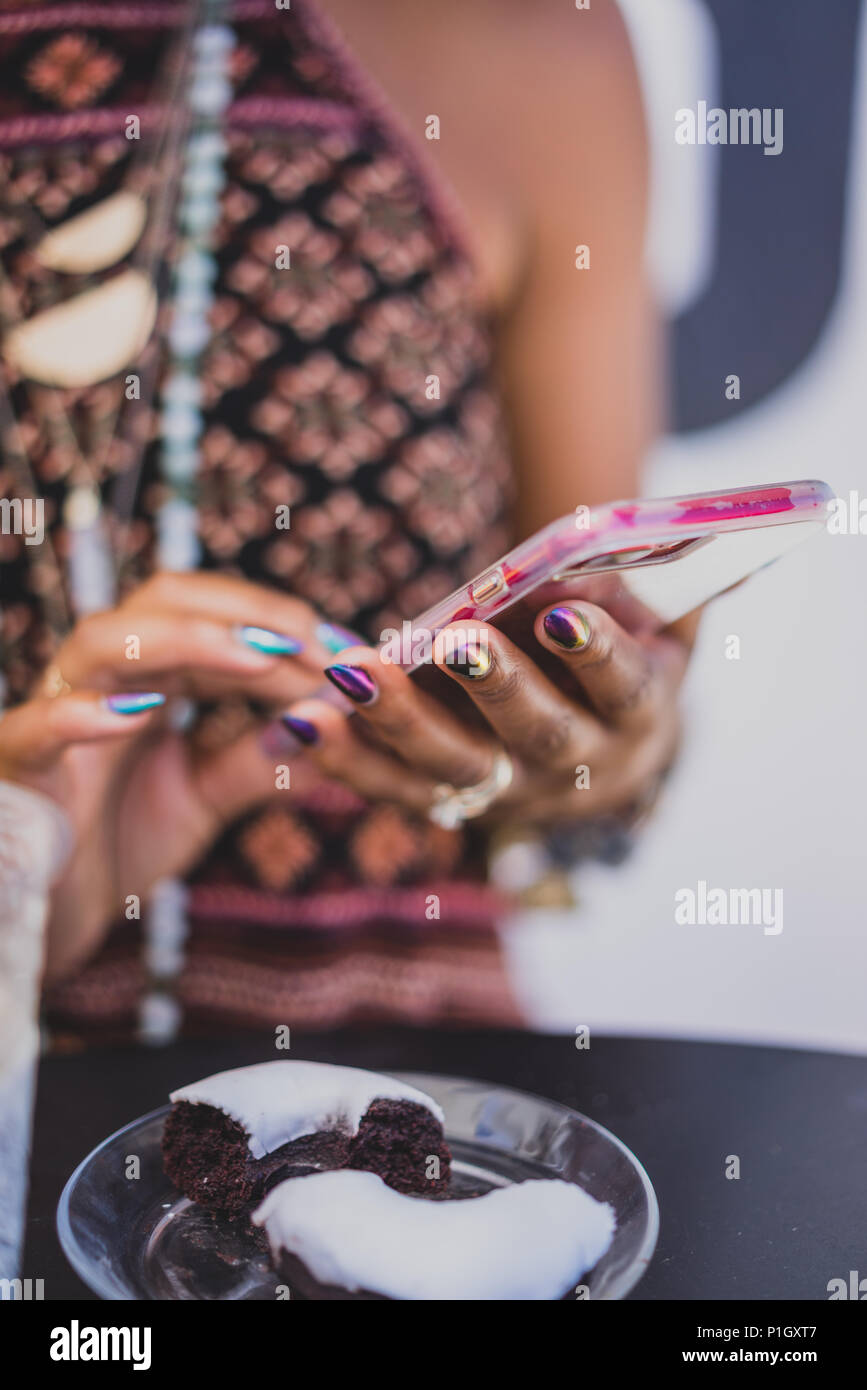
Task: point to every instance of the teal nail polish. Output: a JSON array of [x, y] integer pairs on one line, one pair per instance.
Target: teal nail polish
[[336, 638], [262, 639], [134, 704]]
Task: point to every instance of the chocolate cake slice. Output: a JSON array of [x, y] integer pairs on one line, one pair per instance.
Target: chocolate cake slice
[[348, 1236], [230, 1138]]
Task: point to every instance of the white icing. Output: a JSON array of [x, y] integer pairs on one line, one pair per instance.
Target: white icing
[[530, 1241], [277, 1102]]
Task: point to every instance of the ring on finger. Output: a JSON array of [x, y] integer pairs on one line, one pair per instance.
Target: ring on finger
[[53, 682], [450, 806]]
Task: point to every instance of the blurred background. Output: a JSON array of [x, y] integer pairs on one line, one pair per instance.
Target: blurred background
[[760, 263]]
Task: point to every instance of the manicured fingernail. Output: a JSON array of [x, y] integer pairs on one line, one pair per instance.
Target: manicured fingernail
[[134, 704], [336, 639], [567, 627], [262, 639], [353, 681], [470, 659], [276, 740], [301, 728]]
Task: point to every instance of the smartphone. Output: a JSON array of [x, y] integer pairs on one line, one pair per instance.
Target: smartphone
[[648, 562], [655, 559]]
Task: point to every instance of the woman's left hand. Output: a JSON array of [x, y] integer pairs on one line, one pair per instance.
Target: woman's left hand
[[589, 735]]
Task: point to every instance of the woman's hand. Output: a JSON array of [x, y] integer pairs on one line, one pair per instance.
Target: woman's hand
[[589, 720], [142, 804]]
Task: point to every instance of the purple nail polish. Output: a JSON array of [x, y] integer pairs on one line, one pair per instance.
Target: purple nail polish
[[276, 740], [567, 627], [135, 703], [301, 728], [471, 659], [354, 682]]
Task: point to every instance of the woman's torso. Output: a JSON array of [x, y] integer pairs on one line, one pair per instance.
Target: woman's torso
[[354, 387]]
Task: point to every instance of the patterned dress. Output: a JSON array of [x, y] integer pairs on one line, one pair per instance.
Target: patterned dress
[[311, 910]]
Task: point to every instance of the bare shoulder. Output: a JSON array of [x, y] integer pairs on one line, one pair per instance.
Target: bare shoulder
[[568, 73], [558, 30], [571, 118], [539, 107]]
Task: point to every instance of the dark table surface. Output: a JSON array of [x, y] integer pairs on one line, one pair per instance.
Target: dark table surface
[[795, 1218]]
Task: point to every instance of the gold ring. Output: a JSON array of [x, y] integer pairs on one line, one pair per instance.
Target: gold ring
[[53, 683]]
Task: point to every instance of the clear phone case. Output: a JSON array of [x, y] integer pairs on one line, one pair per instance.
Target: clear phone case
[[669, 554]]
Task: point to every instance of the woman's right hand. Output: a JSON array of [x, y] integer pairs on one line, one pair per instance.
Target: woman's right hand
[[142, 803]]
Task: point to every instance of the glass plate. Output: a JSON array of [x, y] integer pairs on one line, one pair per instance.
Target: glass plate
[[137, 1238]]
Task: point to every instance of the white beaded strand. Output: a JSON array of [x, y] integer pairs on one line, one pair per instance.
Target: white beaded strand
[[202, 181], [181, 426]]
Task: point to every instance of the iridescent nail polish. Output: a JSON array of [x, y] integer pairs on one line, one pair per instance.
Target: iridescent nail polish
[[336, 638], [470, 659], [276, 740], [354, 682], [262, 639], [567, 627], [303, 730], [134, 704]]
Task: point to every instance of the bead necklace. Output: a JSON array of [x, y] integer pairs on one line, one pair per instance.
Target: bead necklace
[[93, 564], [66, 347], [202, 179]]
